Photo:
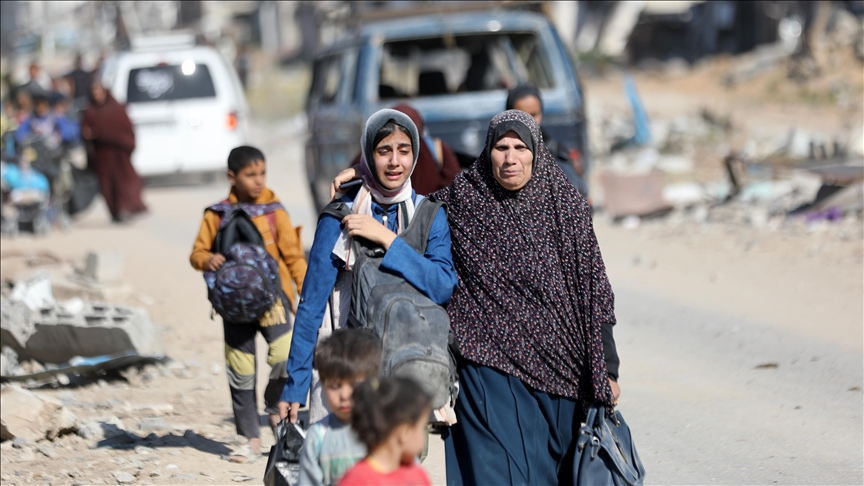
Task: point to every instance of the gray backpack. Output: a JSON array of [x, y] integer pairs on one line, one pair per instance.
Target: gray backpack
[[413, 329]]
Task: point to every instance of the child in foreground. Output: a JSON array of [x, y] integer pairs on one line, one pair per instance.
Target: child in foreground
[[390, 417], [346, 357], [247, 173]]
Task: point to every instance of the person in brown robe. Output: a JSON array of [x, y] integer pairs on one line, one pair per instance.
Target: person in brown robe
[[437, 164], [110, 141]]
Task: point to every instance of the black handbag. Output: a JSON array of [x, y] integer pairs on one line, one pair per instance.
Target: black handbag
[[283, 463], [605, 454]]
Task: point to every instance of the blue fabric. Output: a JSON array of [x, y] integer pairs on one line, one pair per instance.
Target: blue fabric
[[508, 433], [69, 130], [27, 179], [432, 274], [640, 118]]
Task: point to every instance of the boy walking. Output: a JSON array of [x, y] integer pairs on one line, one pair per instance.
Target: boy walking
[[345, 358], [247, 174]]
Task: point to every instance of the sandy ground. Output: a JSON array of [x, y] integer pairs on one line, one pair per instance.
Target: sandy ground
[[741, 347]]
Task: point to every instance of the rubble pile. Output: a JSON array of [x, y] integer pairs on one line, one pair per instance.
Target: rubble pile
[[714, 166], [43, 337], [144, 435], [687, 171]]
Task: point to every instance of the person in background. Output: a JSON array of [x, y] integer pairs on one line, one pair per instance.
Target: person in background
[[345, 358], [242, 65], [526, 97], [437, 164], [390, 417], [39, 82], [80, 81], [110, 140], [23, 102], [45, 124], [8, 125]]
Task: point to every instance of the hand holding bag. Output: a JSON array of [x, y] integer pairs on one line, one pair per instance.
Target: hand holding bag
[[605, 454], [283, 464]]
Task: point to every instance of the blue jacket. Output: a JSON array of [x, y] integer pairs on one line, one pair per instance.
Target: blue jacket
[[432, 274], [68, 130]]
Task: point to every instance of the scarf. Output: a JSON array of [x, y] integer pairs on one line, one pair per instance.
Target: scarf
[[533, 289], [522, 91], [372, 187]]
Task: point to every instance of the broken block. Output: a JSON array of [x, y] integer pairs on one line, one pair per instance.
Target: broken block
[[33, 417], [105, 266], [98, 330], [16, 323]]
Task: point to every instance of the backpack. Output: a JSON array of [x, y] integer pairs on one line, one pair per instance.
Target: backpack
[[247, 285], [413, 329]]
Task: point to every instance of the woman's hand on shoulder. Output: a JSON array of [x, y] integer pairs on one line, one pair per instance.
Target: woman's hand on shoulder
[[345, 176], [366, 226]]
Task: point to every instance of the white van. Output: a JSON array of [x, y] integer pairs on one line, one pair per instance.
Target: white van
[[186, 103]]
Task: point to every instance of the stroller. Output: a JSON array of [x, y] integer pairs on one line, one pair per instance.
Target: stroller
[[41, 187], [26, 198]]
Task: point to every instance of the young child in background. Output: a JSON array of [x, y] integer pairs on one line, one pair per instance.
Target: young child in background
[[247, 172], [390, 417], [346, 357]]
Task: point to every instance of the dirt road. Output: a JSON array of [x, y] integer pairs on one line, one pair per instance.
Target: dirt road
[[741, 348]]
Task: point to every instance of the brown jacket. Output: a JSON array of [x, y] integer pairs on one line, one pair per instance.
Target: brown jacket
[[287, 251]]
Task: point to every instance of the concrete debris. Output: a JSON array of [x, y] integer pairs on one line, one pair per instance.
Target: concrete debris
[[104, 267], [675, 164], [16, 325], [633, 194], [8, 362], [102, 428], [153, 424], [34, 292], [21, 442], [153, 410], [99, 330], [124, 477], [47, 451], [683, 195], [33, 417]]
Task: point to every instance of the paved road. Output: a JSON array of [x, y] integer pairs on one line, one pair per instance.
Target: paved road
[[713, 399]]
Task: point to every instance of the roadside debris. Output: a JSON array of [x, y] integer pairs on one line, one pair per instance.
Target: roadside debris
[[44, 338], [33, 417], [633, 194]]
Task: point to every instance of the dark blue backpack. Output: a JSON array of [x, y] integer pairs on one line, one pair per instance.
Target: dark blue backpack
[[248, 284]]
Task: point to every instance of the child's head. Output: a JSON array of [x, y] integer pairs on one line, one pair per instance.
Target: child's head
[[247, 172], [393, 410], [345, 358]]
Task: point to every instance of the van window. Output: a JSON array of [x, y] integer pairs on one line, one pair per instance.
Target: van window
[[326, 80], [463, 63], [169, 83]]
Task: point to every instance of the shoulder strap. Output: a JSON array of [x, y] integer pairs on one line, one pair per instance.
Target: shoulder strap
[[338, 209], [220, 208], [417, 233], [271, 221]]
